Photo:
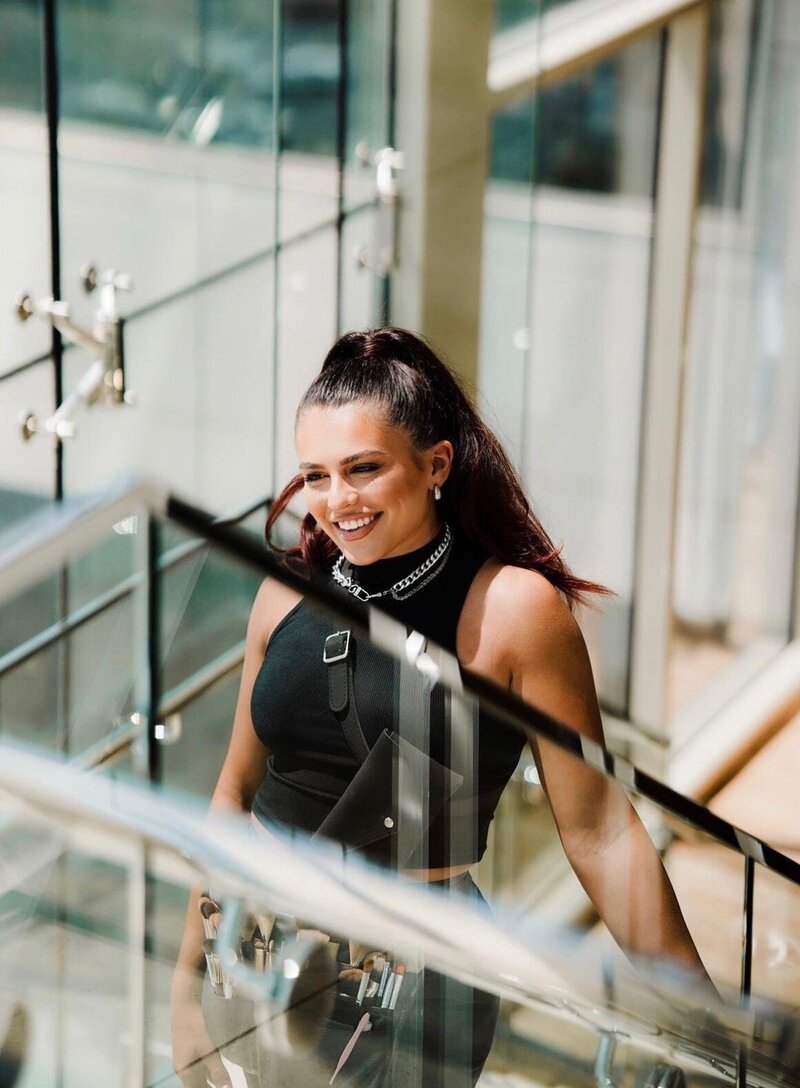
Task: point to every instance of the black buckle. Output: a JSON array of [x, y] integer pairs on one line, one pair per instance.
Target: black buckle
[[336, 647]]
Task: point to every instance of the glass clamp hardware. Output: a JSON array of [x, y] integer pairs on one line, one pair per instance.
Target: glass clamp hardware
[[387, 161], [105, 378]]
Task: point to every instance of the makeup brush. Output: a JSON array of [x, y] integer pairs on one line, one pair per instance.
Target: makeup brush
[[398, 982]]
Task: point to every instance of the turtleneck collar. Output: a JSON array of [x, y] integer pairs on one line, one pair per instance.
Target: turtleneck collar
[[383, 573]]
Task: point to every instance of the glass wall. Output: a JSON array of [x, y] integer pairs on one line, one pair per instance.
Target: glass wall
[[197, 148], [737, 507], [214, 154], [568, 229], [568, 236]]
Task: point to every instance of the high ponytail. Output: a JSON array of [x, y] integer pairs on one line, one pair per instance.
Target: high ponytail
[[397, 371]]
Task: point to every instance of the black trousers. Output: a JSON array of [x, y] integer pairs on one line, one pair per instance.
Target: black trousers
[[439, 1036]]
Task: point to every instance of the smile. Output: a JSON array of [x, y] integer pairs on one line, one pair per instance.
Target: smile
[[355, 528]]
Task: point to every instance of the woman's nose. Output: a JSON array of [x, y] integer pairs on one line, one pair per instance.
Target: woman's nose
[[341, 495]]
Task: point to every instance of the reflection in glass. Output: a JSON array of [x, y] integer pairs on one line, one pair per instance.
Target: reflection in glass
[[510, 13], [736, 524], [188, 187], [187, 363], [322, 895], [24, 184], [308, 272], [566, 264], [206, 599], [26, 468], [199, 73]]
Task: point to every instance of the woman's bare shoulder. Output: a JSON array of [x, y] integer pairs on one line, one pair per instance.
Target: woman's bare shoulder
[[272, 603], [515, 611]]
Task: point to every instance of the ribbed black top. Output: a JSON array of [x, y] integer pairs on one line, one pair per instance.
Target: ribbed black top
[[311, 763]]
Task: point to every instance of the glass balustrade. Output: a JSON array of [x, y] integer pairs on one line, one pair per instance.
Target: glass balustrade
[[96, 875]]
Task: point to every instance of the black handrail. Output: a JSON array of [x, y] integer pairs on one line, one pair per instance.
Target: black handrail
[[499, 702]]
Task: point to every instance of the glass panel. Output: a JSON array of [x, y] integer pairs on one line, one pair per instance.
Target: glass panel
[[65, 956], [32, 698], [736, 524], [188, 364], [26, 468], [776, 952], [206, 602], [193, 90], [75, 689], [193, 762], [508, 239], [309, 109], [111, 901], [369, 67], [113, 928], [509, 13], [569, 391], [308, 269], [101, 675], [362, 302], [105, 567], [24, 181]]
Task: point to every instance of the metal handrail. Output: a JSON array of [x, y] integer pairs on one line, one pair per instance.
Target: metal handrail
[[62, 628], [63, 535], [61, 538], [310, 881], [498, 702]]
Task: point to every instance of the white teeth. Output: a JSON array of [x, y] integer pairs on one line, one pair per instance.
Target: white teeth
[[357, 524]]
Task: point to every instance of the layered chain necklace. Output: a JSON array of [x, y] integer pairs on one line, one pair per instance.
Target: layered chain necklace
[[412, 582]]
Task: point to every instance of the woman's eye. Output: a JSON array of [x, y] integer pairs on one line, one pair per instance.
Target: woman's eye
[[312, 477], [366, 468]]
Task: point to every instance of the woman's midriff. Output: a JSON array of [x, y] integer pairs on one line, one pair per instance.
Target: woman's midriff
[[448, 873], [437, 874]]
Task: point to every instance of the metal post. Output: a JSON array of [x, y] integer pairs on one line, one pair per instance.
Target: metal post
[[153, 650], [342, 26], [50, 74], [747, 960], [680, 151]]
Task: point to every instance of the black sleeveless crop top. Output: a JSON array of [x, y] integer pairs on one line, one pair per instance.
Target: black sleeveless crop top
[[311, 763]]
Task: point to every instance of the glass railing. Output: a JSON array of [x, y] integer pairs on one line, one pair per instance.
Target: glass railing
[[96, 870]]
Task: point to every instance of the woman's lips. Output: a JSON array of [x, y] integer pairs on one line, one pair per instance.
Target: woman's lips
[[357, 534]]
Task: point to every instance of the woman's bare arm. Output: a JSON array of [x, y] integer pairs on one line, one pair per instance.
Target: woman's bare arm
[[603, 837]]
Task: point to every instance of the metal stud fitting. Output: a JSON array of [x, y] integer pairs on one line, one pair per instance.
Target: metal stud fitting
[[23, 307]]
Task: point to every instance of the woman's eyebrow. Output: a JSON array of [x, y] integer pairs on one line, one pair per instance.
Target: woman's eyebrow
[[346, 460]]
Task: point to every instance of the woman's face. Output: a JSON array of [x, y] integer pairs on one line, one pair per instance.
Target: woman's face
[[365, 485]]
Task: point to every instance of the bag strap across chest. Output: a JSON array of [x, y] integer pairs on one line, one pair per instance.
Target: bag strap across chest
[[341, 694]]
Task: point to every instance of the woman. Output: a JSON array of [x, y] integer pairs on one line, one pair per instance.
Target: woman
[[413, 503]]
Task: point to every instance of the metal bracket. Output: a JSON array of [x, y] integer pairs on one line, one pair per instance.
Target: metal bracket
[[106, 376], [387, 161]]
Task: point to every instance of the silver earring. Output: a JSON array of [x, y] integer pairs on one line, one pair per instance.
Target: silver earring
[[437, 492]]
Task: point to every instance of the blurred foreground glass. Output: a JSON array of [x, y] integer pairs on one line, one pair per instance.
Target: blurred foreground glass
[[557, 971]]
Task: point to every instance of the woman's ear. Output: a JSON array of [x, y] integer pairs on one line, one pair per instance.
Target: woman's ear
[[441, 460]]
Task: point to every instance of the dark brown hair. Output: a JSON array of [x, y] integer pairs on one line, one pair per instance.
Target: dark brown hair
[[400, 373]]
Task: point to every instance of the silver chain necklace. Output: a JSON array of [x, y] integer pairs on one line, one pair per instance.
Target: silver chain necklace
[[411, 579]]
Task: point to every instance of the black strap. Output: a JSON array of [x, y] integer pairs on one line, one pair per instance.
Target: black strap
[[341, 693]]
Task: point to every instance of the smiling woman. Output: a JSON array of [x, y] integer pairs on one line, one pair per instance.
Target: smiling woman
[[378, 498], [411, 501], [386, 417]]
